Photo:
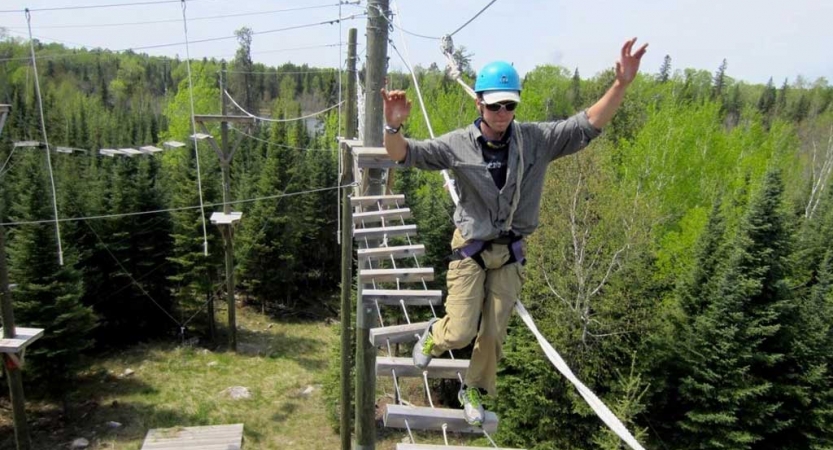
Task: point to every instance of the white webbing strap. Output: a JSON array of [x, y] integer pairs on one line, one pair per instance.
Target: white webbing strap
[[601, 410]]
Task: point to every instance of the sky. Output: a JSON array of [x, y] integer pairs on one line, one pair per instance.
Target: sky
[[758, 38]]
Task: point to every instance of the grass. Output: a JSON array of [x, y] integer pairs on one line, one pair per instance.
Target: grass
[[182, 386]]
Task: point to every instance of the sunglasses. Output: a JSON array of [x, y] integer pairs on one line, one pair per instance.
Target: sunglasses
[[495, 107]]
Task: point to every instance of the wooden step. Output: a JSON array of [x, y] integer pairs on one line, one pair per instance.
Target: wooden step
[[444, 447], [381, 232], [411, 275], [380, 336], [372, 158], [398, 252], [373, 200], [439, 368], [424, 418], [377, 216], [411, 297]]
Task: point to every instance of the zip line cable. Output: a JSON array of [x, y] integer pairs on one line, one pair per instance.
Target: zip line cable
[[215, 39], [267, 119], [255, 138], [193, 19], [46, 141], [194, 125], [472, 19], [181, 208], [111, 5], [87, 51]]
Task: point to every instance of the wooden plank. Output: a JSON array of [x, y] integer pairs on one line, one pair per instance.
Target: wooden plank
[[411, 297], [397, 252], [373, 158], [432, 419], [412, 275], [401, 446], [397, 333], [220, 437], [377, 216], [439, 368], [382, 232], [397, 199], [23, 337]]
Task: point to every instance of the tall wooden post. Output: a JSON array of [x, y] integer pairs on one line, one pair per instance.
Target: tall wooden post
[[225, 152], [377, 48], [347, 239], [21, 427], [228, 230]]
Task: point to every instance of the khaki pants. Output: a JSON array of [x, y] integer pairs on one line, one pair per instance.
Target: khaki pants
[[472, 293]]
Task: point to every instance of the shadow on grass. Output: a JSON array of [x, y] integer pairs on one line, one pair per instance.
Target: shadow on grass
[[88, 416], [305, 351]]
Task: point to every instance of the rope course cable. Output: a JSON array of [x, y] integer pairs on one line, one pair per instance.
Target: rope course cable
[[399, 26], [110, 5], [45, 140], [255, 138], [181, 208], [194, 125], [472, 19], [193, 19], [267, 119]]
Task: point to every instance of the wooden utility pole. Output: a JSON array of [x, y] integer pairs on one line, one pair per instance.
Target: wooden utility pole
[[10, 362], [227, 218], [347, 238], [377, 49]]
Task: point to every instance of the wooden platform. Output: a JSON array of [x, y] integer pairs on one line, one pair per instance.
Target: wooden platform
[[216, 437], [23, 337]]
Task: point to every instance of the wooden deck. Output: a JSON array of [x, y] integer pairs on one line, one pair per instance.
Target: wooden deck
[[216, 437]]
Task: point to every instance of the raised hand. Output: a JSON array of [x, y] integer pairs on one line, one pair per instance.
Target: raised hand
[[397, 107], [628, 64]]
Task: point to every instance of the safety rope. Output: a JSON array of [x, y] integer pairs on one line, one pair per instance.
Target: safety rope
[[45, 140], [194, 125]]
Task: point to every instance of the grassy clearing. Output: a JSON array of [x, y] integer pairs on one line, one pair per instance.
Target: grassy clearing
[[182, 386]]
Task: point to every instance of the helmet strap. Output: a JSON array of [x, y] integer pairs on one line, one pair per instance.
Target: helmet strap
[[483, 121]]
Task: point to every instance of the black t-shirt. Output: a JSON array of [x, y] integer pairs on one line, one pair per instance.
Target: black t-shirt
[[496, 155]]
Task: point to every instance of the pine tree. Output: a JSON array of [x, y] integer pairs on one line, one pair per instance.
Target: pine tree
[[766, 102], [719, 82], [665, 70], [48, 295], [575, 92]]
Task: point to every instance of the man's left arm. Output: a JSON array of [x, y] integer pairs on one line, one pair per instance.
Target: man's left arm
[[603, 110]]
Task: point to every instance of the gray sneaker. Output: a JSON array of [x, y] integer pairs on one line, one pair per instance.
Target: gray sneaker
[[472, 402], [423, 347]]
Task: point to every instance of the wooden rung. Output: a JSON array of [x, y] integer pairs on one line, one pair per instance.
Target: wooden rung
[[411, 297], [423, 418], [372, 158], [398, 199], [398, 252], [377, 216], [401, 446], [381, 232], [439, 368], [397, 333], [23, 337], [390, 275]]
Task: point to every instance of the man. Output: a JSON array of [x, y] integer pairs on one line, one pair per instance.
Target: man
[[499, 166]]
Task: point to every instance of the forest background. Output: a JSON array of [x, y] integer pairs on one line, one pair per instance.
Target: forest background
[[682, 267]]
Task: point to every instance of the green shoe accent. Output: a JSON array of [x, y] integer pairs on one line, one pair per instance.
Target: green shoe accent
[[428, 345]]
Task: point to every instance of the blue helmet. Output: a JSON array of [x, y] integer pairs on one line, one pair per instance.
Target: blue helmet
[[497, 76]]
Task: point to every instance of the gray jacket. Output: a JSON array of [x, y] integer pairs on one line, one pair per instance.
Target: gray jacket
[[484, 210]]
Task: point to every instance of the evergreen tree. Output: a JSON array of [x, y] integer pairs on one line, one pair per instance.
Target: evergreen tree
[[719, 81], [48, 295], [766, 102], [665, 70], [575, 92]]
